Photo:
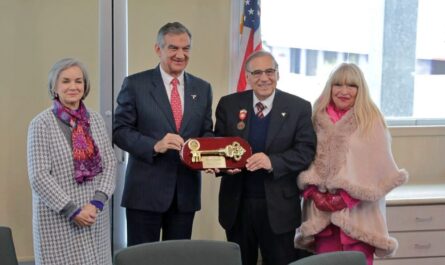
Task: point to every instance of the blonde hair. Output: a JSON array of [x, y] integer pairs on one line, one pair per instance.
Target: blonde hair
[[365, 111]]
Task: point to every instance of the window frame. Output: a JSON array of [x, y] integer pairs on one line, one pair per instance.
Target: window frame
[[237, 8]]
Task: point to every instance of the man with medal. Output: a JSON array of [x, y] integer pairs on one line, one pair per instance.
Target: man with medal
[[259, 205]]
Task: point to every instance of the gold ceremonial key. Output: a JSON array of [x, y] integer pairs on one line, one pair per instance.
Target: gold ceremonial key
[[235, 151]]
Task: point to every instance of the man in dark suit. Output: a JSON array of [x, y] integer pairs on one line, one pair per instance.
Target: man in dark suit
[[259, 206], [157, 111]]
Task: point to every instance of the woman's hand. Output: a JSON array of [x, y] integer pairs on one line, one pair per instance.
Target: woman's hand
[[336, 202], [321, 201], [87, 216]]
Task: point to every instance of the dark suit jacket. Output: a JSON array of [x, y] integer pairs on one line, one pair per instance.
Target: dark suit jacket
[[142, 118], [290, 145]]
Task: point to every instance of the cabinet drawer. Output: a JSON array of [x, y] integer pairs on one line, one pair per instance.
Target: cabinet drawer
[[413, 261], [420, 244], [415, 218]]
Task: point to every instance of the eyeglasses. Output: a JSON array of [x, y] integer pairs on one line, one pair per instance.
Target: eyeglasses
[[258, 73]]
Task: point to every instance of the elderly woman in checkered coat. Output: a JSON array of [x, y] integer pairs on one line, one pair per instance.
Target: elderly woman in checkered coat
[[71, 168]]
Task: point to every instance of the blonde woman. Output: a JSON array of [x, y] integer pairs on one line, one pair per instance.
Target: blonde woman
[[344, 189]]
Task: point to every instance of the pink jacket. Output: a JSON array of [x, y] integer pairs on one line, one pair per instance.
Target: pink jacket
[[364, 167]]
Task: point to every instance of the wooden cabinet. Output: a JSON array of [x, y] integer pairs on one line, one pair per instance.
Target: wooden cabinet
[[418, 223]]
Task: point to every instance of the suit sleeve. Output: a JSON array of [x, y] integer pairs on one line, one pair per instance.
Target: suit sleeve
[[125, 131], [221, 119], [299, 156], [221, 125]]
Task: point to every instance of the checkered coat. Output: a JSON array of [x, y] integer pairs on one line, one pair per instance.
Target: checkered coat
[[50, 167]]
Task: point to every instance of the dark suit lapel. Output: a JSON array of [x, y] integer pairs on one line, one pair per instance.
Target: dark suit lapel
[[245, 103], [279, 115], [159, 94], [190, 97]]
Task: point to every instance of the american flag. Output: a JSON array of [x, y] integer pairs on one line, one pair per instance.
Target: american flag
[[250, 37]]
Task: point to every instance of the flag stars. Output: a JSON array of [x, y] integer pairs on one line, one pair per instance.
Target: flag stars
[[250, 40], [251, 14]]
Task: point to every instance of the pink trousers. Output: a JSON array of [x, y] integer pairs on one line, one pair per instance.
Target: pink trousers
[[333, 239]]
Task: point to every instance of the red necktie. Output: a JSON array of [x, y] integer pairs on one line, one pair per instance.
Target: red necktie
[[260, 107], [175, 102]]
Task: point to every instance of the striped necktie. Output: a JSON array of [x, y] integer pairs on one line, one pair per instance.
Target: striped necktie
[[260, 107]]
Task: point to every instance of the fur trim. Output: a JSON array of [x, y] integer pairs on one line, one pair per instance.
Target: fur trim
[[302, 242], [371, 193], [382, 241], [370, 180], [364, 167], [331, 148]]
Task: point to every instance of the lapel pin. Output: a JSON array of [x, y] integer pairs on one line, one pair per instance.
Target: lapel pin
[[242, 116], [193, 96], [283, 114]]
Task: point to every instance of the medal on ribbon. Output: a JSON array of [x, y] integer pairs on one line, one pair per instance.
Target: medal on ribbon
[[242, 116]]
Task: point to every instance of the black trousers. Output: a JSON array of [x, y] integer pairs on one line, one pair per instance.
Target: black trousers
[[252, 231], [146, 226]]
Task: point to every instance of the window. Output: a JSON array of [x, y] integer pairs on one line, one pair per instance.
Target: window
[[399, 45]]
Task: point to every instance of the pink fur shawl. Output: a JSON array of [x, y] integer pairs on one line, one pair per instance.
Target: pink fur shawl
[[361, 165]]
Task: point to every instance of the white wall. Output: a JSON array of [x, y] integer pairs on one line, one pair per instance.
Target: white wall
[[34, 35]]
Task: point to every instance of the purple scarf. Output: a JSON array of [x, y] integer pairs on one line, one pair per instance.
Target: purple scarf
[[87, 160]]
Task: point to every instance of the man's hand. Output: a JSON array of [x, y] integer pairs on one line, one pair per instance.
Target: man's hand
[[216, 171], [170, 141], [258, 161], [233, 171]]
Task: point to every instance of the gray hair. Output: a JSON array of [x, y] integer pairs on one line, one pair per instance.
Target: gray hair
[[171, 28], [62, 65], [260, 53]]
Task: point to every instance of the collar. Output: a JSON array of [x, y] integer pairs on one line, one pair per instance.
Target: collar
[[334, 113], [168, 78], [268, 102]]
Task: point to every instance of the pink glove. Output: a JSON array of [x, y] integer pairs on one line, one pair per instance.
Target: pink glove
[[348, 199], [321, 201], [308, 191], [335, 202], [324, 201]]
